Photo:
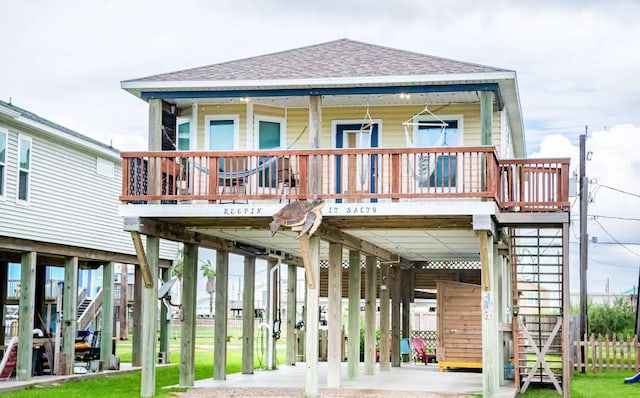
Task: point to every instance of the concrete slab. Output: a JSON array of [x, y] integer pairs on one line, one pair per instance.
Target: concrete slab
[[409, 377]]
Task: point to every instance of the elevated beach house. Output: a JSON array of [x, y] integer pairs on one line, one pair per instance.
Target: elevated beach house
[[59, 221], [412, 168]]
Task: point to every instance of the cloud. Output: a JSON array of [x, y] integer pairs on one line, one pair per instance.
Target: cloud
[[614, 167]]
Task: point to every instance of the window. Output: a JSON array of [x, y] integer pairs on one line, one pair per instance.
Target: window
[[442, 168], [104, 167], [184, 134], [270, 136], [24, 168], [221, 132], [4, 136]]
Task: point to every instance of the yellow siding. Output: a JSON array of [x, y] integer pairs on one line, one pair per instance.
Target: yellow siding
[[272, 111], [393, 135]]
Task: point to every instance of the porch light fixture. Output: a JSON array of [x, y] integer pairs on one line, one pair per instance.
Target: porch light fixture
[[404, 96], [244, 99]]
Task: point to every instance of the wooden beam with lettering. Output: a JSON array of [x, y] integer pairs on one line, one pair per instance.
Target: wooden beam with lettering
[[180, 233]]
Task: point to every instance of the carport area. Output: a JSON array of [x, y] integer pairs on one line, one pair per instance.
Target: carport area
[[409, 380]]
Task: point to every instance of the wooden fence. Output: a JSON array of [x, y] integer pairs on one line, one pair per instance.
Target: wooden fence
[[609, 353]]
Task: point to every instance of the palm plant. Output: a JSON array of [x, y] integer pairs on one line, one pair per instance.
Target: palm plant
[[209, 271]]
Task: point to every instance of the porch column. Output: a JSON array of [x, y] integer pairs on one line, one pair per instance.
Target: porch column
[[395, 317], [149, 319], [312, 321], [165, 320], [188, 333], [155, 144], [292, 298], [406, 303], [486, 117], [136, 344], [334, 352], [271, 311], [370, 315], [69, 312], [384, 317], [490, 341], [106, 339], [222, 297], [123, 310], [353, 349], [40, 290], [25, 325], [315, 128], [4, 276], [275, 307], [248, 309]]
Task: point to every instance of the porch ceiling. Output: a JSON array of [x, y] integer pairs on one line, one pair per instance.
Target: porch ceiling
[[346, 100], [412, 244]]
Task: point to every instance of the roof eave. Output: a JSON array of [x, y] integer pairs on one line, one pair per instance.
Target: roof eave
[[137, 87], [511, 98]]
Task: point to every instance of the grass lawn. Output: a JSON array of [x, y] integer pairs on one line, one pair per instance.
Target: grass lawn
[[603, 385], [128, 385]]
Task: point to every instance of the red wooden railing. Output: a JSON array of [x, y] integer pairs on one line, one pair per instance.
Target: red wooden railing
[[344, 174]]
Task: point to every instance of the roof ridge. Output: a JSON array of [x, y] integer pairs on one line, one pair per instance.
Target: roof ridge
[[324, 60], [37, 118], [241, 59]]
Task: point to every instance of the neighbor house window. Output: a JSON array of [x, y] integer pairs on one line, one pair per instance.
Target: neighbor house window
[[3, 160], [24, 168], [104, 167]]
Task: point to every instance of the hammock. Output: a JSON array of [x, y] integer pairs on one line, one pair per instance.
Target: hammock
[[423, 165], [243, 174]]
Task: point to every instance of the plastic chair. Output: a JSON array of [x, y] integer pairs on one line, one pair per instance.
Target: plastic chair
[[419, 350], [405, 349]]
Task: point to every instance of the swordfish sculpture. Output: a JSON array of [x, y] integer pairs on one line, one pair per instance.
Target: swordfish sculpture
[[300, 215]]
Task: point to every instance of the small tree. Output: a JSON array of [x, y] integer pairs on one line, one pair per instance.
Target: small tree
[[606, 319], [209, 271], [177, 269]]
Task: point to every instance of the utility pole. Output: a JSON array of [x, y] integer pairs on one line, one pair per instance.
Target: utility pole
[[638, 306], [584, 237]]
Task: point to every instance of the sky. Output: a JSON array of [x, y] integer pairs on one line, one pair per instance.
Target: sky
[[576, 62]]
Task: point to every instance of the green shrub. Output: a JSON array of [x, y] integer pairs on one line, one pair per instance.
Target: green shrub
[[605, 319]]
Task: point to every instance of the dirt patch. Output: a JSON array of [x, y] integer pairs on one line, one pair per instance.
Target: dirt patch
[[299, 392]]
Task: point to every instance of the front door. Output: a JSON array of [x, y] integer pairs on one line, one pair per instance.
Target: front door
[[356, 173]]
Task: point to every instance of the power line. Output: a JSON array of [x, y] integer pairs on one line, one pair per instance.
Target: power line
[[619, 190], [616, 240], [614, 217]]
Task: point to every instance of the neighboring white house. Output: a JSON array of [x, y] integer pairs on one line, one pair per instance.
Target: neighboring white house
[[58, 199]]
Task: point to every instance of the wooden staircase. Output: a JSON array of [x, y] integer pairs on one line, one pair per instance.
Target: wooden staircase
[[88, 310], [537, 260]]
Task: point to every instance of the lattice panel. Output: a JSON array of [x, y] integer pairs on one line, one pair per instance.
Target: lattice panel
[[451, 264]]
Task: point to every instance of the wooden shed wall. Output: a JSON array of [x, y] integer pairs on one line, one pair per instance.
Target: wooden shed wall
[[459, 324]]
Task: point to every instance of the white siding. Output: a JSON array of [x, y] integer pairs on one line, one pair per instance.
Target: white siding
[[70, 203], [506, 144]]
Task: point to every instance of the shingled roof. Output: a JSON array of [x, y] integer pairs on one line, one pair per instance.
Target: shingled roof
[[342, 58], [46, 122]]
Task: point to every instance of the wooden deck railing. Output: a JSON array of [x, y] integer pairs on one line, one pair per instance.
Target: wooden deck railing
[[374, 174]]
